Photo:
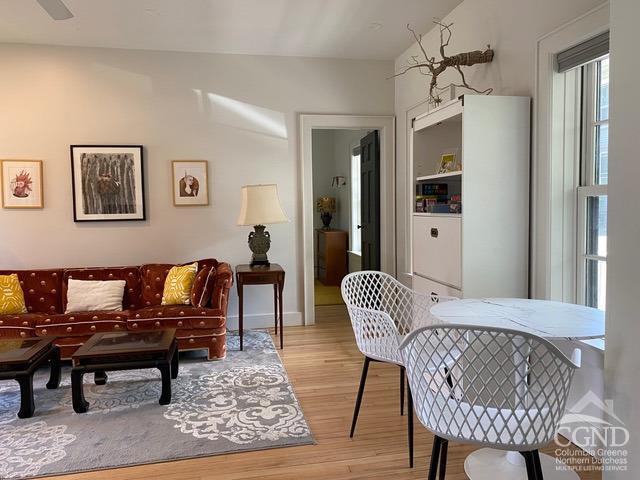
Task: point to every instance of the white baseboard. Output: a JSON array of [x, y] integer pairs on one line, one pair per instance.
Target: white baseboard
[[264, 320]]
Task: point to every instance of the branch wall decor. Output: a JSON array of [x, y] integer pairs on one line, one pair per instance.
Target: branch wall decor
[[431, 67]]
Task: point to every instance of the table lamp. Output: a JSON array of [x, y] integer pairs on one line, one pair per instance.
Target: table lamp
[[260, 206]]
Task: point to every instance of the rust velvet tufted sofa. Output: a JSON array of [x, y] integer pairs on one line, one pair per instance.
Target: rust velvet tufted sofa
[[201, 325]]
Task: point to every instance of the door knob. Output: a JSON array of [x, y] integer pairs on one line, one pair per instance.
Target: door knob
[[359, 227]]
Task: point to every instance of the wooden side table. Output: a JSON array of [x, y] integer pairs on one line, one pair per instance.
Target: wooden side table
[[272, 274]]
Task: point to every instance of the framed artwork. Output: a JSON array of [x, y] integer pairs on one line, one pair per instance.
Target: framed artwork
[[449, 161], [108, 182], [190, 182], [21, 183]]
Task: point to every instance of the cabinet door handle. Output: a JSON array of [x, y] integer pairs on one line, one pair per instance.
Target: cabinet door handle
[[434, 232]]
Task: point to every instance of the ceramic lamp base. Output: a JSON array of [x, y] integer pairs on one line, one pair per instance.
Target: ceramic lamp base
[[326, 220], [259, 243]]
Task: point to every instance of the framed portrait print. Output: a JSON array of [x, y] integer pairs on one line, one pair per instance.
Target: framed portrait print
[[108, 182], [190, 182], [21, 183]]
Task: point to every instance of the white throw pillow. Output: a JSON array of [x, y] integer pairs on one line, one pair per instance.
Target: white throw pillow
[[92, 295]]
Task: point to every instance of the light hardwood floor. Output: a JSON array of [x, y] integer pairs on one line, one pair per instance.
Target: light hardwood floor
[[324, 366]]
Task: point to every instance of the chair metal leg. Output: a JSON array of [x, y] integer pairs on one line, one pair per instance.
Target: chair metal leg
[[363, 379], [530, 464], [444, 447], [401, 390], [537, 464], [410, 424], [435, 457]]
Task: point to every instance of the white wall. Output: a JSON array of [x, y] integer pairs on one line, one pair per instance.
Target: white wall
[[239, 112], [512, 28], [623, 278]]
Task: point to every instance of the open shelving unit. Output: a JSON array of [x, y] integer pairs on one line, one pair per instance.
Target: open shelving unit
[[482, 249], [437, 176]]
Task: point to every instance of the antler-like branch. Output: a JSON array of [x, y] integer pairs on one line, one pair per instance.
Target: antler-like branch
[[433, 68], [443, 43], [418, 39]]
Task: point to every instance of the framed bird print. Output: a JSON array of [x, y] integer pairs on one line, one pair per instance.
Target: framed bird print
[[21, 182]]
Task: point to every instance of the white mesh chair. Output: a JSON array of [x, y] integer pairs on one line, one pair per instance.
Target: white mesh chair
[[382, 312], [507, 389]]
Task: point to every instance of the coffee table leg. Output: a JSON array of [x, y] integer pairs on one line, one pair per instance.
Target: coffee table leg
[[100, 377], [165, 371], [80, 405], [56, 367], [27, 406], [174, 363]]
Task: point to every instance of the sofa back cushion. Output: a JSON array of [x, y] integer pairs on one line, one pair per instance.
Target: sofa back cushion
[[203, 287], [131, 275], [41, 289], [153, 276]]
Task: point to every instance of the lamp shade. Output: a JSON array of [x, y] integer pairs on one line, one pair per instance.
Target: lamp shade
[[326, 205], [261, 206]]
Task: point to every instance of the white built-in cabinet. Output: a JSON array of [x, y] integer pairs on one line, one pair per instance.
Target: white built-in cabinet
[[483, 251]]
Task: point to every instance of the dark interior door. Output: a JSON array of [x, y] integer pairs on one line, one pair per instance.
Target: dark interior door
[[370, 200]]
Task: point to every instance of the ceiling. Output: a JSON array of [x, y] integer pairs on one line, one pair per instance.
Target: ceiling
[[368, 29]]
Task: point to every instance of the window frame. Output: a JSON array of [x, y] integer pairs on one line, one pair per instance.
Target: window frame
[[353, 224], [588, 186]]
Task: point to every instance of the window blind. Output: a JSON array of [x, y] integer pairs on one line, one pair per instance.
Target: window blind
[[582, 53]]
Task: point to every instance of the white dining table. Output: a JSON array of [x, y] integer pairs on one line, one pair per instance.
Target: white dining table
[[547, 319]]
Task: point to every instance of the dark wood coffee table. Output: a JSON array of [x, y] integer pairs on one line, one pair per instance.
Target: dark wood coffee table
[[125, 351], [20, 358]]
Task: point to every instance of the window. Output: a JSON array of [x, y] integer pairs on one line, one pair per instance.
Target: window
[[355, 201], [592, 191]]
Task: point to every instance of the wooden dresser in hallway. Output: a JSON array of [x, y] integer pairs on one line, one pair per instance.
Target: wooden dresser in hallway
[[331, 255]]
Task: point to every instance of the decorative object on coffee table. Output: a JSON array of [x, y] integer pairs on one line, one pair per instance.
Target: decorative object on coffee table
[[260, 206], [261, 275], [326, 206], [108, 182], [21, 183], [125, 351], [19, 359]]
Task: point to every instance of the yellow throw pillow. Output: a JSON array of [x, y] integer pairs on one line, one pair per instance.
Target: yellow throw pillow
[[11, 295], [177, 286]]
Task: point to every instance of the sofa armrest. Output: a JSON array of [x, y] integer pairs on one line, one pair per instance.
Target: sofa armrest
[[221, 287]]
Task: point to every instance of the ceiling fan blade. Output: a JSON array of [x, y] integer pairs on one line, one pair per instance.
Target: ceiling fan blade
[[56, 9]]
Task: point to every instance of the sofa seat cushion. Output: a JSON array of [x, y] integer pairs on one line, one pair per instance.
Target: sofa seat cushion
[[176, 316], [20, 324], [82, 323]]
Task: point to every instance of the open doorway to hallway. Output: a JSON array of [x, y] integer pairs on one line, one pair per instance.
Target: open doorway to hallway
[[346, 191]]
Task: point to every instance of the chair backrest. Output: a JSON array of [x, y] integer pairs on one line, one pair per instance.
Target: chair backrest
[[488, 386], [382, 310]]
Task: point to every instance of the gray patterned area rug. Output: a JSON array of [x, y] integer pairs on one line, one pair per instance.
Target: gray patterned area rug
[[242, 403]]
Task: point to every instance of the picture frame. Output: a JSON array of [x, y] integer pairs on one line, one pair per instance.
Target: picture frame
[[107, 183], [190, 179], [449, 161], [21, 184]]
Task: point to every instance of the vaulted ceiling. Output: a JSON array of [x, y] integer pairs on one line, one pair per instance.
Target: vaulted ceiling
[[371, 29]]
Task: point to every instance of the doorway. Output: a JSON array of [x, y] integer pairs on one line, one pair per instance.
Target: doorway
[[348, 202], [346, 178]]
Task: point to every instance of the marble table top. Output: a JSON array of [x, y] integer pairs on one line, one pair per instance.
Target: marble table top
[[551, 320]]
